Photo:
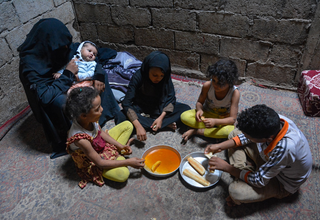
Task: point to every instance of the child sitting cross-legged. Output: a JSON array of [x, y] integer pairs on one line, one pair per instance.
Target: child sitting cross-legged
[[97, 153], [217, 105], [269, 156]]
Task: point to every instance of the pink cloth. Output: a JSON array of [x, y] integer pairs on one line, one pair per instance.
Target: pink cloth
[[309, 92]]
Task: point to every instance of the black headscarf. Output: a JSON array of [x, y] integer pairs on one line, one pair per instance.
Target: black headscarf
[[160, 60], [46, 48], [156, 59], [151, 97]]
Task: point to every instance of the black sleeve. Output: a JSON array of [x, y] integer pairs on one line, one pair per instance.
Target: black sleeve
[[134, 84], [49, 88], [99, 73]]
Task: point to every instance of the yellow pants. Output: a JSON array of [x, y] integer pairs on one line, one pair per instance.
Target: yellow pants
[[220, 131], [120, 133]]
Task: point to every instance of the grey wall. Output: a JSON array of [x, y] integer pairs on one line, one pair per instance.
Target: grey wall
[[266, 39], [271, 41], [17, 18]]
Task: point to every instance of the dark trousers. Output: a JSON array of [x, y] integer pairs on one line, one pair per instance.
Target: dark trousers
[[146, 122]]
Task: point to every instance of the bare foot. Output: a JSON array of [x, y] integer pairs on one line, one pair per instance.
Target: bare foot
[[186, 135], [173, 126], [130, 141], [230, 202]]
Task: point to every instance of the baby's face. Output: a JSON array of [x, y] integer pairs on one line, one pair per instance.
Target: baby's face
[[89, 52]]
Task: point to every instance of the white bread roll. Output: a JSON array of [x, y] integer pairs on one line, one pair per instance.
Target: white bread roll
[[196, 165], [196, 177]]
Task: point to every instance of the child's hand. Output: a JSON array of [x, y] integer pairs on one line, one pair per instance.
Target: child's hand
[[141, 133], [214, 148], [216, 163], [99, 85], [199, 114], [156, 124], [209, 122], [136, 162], [72, 67], [126, 150], [56, 75]]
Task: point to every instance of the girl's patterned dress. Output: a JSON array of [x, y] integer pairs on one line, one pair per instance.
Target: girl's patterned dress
[[86, 169]]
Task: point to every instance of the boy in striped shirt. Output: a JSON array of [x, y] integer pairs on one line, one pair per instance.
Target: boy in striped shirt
[[269, 156]]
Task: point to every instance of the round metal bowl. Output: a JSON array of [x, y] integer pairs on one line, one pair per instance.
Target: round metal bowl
[[213, 178], [146, 152]]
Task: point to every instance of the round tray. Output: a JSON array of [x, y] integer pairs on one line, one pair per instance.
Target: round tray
[[213, 178]]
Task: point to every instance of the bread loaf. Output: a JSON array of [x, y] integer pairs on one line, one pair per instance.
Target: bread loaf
[[196, 177], [196, 165], [209, 155], [155, 166]]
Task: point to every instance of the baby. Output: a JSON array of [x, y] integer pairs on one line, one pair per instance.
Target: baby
[[85, 60]]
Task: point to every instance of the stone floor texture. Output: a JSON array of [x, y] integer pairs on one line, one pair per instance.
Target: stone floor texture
[[33, 186]]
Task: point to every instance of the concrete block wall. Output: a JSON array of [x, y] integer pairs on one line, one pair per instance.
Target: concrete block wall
[[17, 18], [266, 39], [271, 41]]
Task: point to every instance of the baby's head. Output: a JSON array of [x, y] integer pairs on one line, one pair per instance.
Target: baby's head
[[225, 71], [80, 101], [89, 51]]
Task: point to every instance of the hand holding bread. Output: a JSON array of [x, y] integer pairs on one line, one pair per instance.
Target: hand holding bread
[[201, 176], [209, 155]]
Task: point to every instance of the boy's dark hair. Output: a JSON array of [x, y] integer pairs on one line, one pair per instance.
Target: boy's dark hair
[[79, 101], [259, 121], [225, 70]]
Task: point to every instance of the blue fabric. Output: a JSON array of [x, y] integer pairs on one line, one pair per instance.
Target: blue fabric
[[118, 95]]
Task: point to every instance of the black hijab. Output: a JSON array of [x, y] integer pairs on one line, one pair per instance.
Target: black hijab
[[160, 60], [46, 48], [151, 97], [156, 59]]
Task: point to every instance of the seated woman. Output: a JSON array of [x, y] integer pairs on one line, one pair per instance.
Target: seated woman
[[47, 48], [150, 102]]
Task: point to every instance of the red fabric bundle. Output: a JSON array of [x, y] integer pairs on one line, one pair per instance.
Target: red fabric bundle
[[309, 92]]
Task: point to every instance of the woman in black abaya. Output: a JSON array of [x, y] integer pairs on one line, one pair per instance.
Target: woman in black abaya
[[47, 49]]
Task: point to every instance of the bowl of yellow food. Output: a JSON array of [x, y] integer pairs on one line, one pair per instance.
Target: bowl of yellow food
[[161, 160]]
